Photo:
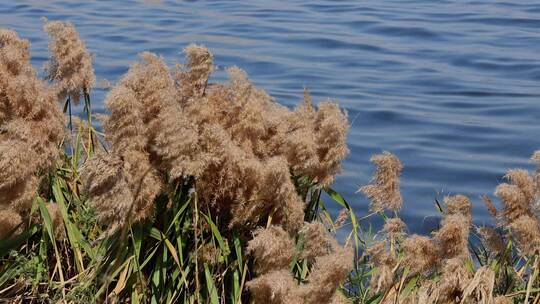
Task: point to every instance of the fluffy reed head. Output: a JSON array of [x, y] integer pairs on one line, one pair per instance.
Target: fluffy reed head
[[122, 188], [316, 241], [14, 52], [129, 173], [536, 159], [394, 228], [489, 205], [276, 287], [327, 273], [480, 288], [272, 248], [70, 65], [458, 204], [455, 278], [384, 191], [453, 236], [233, 138], [526, 232], [10, 222], [193, 77], [421, 254], [516, 195]]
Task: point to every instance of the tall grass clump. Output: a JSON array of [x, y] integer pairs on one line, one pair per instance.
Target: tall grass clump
[[194, 192], [200, 192], [459, 262]]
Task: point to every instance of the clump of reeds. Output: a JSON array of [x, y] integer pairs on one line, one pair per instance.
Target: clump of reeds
[[31, 131], [238, 144], [274, 250], [440, 269], [177, 150], [520, 197]]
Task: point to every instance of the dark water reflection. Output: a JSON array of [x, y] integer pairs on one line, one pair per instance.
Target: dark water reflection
[[451, 87]]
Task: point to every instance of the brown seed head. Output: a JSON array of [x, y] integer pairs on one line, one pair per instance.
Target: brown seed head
[[276, 287], [489, 205], [272, 248], [421, 254], [526, 232], [394, 227], [70, 65], [384, 191], [493, 240], [192, 79], [317, 241], [453, 236]]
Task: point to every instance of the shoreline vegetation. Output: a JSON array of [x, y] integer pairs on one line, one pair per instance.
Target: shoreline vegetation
[[199, 192]]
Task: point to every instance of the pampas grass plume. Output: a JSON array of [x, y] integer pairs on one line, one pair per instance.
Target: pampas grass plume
[[70, 65], [384, 191]]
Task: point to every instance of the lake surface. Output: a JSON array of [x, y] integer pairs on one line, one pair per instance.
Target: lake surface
[[451, 87]]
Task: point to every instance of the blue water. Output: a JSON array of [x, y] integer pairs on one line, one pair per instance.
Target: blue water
[[451, 87]]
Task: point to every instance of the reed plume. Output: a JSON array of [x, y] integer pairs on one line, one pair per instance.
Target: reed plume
[[192, 78], [445, 254], [10, 222], [453, 236], [455, 278], [421, 254], [489, 205], [276, 287], [272, 249], [492, 239], [315, 241], [70, 66], [394, 228], [384, 191], [327, 273], [315, 140]]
